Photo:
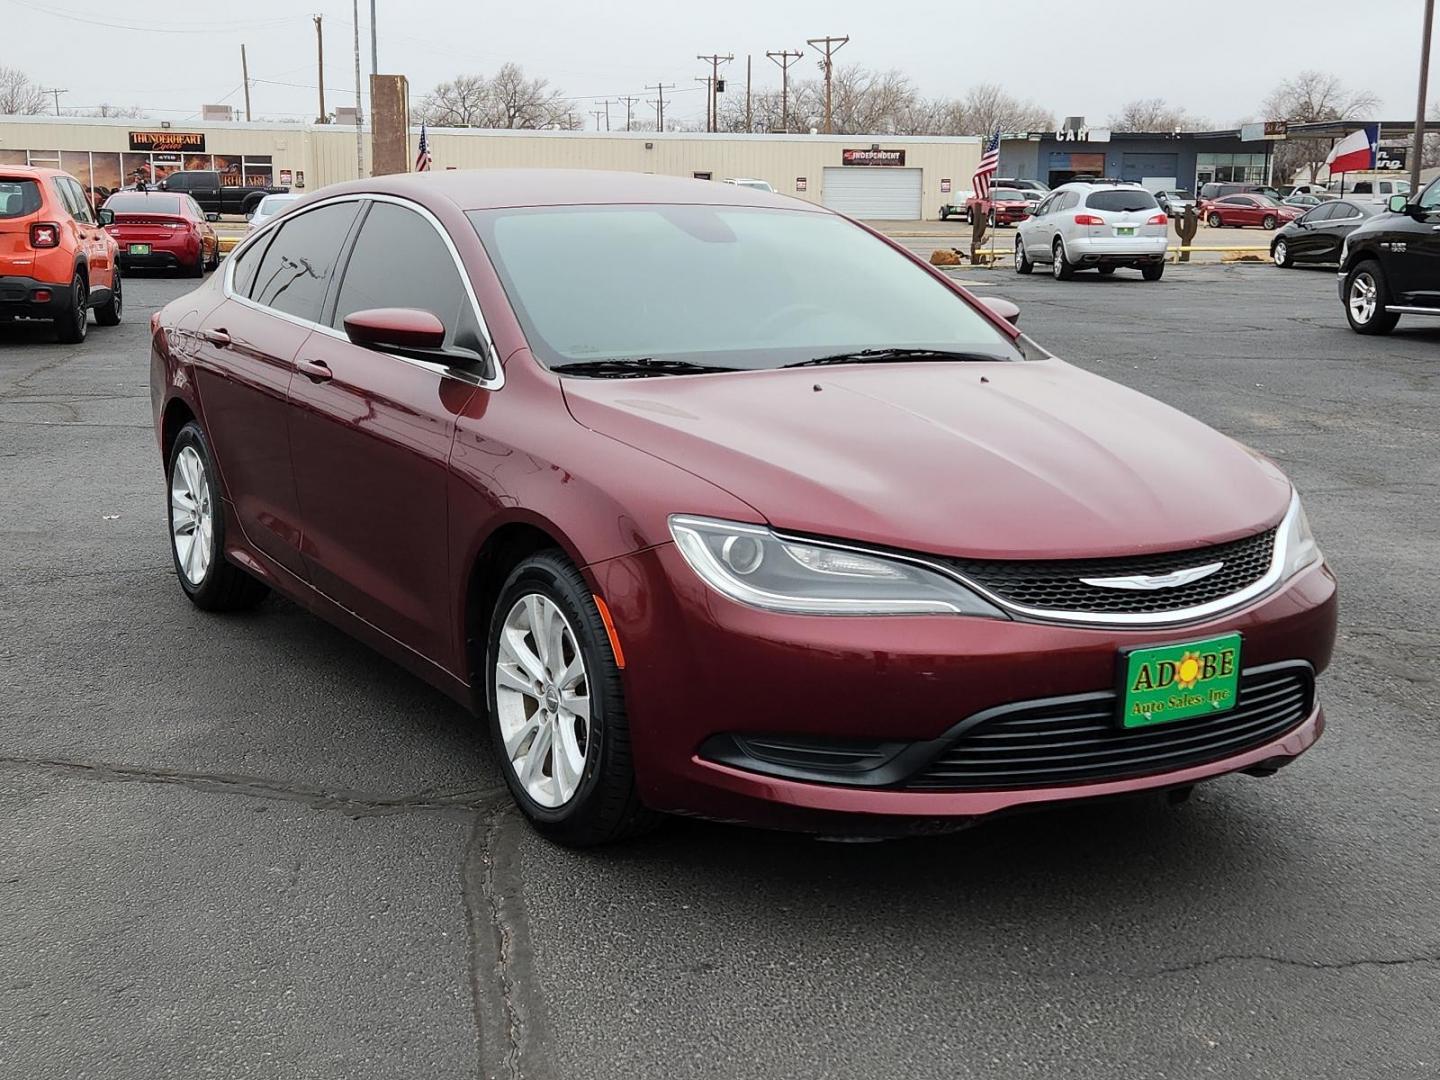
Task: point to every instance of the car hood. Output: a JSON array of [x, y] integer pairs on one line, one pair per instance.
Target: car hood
[[1032, 459]]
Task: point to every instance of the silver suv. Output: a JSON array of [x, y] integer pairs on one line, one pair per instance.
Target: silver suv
[[1100, 225]]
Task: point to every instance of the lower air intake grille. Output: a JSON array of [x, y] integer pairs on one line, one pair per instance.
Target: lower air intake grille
[[1076, 740]]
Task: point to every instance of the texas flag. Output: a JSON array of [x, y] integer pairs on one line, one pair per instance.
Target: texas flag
[[1355, 152]]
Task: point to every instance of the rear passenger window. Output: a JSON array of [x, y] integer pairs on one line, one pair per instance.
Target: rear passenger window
[[400, 260], [295, 271], [244, 265]]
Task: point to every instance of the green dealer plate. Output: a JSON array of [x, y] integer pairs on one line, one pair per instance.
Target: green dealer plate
[[1173, 682], [139, 249]]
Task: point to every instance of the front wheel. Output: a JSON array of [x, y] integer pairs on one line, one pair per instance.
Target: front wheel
[[557, 712], [1214, 221], [1023, 265], [1281, 254], [1366, 297]]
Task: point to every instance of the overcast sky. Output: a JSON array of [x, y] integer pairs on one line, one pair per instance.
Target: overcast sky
[[1075, 57]]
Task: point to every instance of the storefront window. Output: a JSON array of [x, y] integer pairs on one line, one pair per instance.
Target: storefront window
[[1229, 168]]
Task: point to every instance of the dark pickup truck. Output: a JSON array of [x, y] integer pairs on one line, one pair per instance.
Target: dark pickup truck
[[215, 196]]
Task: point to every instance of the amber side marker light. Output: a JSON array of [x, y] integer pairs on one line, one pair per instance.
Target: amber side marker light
[[610, 630]]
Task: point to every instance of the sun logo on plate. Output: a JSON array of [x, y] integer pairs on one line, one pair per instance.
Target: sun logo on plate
[[1187, 671]]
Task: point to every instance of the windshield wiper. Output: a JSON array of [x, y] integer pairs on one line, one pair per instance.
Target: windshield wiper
[[885, 356], [636, 367]]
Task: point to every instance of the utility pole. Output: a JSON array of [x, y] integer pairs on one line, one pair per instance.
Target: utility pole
[[598, 115], [606, 103], [749, 129], [785, 58], [660, 104], [629, 103], [1418, 147], [359, 118], [374, 52], [829, 46], [715, 61], [57, 94], [245, 71], [320, 63]]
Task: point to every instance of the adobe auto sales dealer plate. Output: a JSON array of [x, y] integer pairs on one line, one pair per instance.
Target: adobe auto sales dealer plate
[[1174, 682]]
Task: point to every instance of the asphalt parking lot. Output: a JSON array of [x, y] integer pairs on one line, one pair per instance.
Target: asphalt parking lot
[[246, 847]]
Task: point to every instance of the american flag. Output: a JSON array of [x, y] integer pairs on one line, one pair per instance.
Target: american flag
[[422, 159], [989, 162]]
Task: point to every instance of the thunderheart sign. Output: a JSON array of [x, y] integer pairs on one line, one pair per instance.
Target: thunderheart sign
[[872, 157], [186, 141]]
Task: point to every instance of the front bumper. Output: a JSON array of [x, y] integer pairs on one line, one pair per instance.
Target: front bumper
[[20, 298], [702, 667]]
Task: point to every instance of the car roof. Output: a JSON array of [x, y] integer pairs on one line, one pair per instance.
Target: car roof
[[1109, 185], [486, 189], [24, 172]]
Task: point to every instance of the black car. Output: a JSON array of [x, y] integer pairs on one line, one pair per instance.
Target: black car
[[1318, 236], [219, 193], [1390, 266], [1219, 189]]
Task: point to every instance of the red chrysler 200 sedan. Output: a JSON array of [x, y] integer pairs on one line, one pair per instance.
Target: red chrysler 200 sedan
[[715, 502]]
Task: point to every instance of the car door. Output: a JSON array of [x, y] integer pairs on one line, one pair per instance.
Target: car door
[[1415, 249], [1345, 218], [1307, 239], [1030, 229], [372, 432], [244, 357], [89, 235]]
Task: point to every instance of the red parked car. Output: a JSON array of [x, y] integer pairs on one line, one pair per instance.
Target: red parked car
[[161, 229], [1005, 206], [1244, 210], [769, 522]]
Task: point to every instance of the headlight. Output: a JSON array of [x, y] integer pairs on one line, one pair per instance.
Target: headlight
[[1298, 548], [755, 566]]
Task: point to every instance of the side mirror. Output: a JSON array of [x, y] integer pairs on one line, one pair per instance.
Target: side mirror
[[1399, 204], [395, 328], [212, 217], [1003, 308], [105, 217]]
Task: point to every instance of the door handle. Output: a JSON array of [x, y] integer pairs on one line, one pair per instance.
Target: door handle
[[219, 338], [316, 370]]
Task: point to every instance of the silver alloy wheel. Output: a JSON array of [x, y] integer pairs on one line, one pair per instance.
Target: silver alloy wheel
[[192, 516], [542, 698], [1019, 253], [1279, 253], [1057, 263], [1363, 297]]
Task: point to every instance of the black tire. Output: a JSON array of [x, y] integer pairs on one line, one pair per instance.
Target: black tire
[[1060, 267], [1379, 321], [944, 215], [1280, 253], [1153, 271], [606, 806], [108, 313], [198, 270], [224, 586], [1023, 265], [72, 327], [1105, 271], [1214, 221], [969, 217], [992, 219], [214, 263], [1268, 222]]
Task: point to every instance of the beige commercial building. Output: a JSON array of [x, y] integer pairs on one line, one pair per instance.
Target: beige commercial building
[[895, 177]]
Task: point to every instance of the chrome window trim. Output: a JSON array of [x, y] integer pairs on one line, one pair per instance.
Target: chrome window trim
[[1271, 578], [493, 357]]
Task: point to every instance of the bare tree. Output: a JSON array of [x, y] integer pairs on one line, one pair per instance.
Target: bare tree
[[1430, 155], [1311, 97], [987, 108], [19, 94], [507, 100], [1154, 114], [127, 112]]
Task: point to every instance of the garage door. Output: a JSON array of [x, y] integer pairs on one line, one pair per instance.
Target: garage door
[[1137, 167], [874, 192]]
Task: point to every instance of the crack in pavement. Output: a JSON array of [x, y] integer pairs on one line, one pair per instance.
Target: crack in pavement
[[1284, 961], [459, 803], [509, 1018]]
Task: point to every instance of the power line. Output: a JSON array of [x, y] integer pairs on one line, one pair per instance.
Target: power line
[[831, 45], [209, 28]]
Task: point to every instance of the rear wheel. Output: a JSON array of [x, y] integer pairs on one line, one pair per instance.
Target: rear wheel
[[1060, 266], [1268, 222], [198, 270], [74, 324], [214, 263], [197, 530], [108, 313], [1153, 271], [557, 713], [1366, 297], [1214, 221], [1023, 265]]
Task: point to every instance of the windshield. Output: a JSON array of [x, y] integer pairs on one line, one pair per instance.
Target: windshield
[[136, 203], [1121, 200], [1006, 195], [19, 198], [742, 287]]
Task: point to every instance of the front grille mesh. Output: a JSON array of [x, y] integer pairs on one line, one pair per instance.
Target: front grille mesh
[[1075, 741], [1055, 585]]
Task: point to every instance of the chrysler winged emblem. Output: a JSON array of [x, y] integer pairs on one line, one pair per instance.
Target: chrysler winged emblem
[[1172, 580]]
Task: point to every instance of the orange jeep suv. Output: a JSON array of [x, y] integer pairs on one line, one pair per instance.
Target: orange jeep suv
[[56, 260]]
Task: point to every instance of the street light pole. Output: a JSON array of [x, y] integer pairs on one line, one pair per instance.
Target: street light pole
[[1418, 146], [374, 51]]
